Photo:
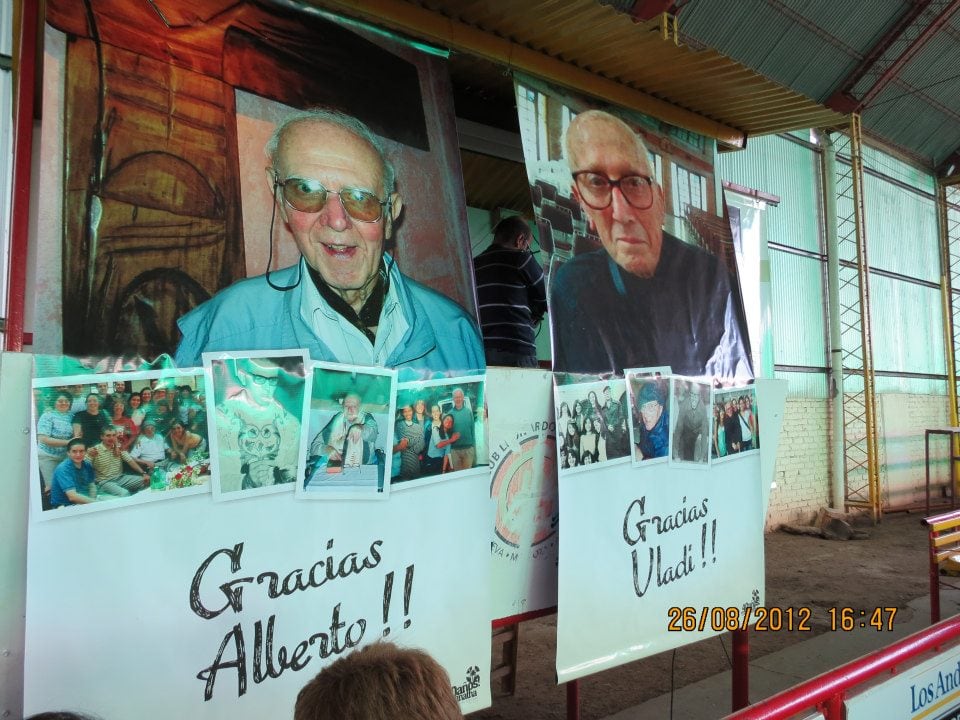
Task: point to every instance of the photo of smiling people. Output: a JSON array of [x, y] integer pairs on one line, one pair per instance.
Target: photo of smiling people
[[440, 430], [736, 430], [690, 423], [128, 437], [350, 433], [257, 408], [592, 423], [648, 392]]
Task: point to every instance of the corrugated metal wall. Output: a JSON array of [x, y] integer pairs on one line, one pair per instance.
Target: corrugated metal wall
[[906, 309], [790, 170], [786, 169], [901, 229]]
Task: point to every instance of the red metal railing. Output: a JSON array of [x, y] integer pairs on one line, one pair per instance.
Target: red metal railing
[[826, 692]]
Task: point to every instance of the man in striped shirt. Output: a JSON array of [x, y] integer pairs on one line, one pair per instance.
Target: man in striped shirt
[[511, 295]]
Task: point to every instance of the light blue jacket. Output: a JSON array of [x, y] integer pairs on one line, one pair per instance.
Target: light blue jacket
[[251, 315]]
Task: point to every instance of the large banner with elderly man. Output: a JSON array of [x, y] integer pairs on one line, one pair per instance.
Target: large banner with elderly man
[[270, 195], [189, 147], [661, 544]]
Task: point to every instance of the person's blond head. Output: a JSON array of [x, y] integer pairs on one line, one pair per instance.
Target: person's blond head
[[379, 682]]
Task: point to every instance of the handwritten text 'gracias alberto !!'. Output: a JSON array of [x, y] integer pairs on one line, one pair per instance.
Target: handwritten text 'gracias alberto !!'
[[270, 660]]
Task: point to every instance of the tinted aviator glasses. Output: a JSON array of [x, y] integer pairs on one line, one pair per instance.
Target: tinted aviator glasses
[[596, 190], [310, 196]]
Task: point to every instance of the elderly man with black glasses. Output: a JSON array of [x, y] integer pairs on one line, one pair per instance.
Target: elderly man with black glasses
[[646, 299], [346, 300]]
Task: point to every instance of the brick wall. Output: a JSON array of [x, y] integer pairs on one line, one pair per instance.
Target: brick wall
[[803, 461], [902, 420], [802, 472]]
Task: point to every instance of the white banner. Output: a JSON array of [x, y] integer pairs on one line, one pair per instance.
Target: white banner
[[930, 690], [653, 557], [523, 484], [193, 609]]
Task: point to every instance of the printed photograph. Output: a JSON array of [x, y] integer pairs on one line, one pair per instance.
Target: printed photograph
[[350, 433], [690, 423], [213, 217], [592, 423], [736, 430], [127, 437], [257, 406], [639, 259], [439, 430], [648, 393]]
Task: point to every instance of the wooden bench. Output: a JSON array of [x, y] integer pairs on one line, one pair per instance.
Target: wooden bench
[[944, 545]]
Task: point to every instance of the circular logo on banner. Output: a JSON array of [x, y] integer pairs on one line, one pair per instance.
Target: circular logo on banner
[[525, 487]]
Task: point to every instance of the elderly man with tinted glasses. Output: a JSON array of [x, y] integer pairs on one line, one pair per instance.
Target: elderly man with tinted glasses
[[646, 299], [346, 300]]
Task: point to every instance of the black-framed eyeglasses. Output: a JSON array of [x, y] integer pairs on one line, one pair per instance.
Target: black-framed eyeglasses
[[263, 380], [310, 196], [596, 189]]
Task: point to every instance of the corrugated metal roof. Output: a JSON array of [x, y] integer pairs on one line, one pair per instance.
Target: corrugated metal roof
[[611, 46], [491, 183], [756, 67], [814, 47]]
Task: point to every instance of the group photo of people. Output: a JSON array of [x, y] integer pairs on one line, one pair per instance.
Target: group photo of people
[[258, 404], [592, 423], [118, 437], [649, 393], [350, 431], [735, 426], [439, 428]]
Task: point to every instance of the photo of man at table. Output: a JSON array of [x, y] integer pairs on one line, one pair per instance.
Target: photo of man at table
[[136, 437], [350, 432], [257, 411]]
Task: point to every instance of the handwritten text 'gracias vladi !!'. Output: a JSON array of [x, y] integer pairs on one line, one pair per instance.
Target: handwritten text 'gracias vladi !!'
[[270, 660], [671, 562]]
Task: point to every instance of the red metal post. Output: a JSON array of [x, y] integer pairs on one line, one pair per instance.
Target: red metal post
[[821, 689], [22, 157], [833, 708], [934, 579], [740, 692], [573, 700]]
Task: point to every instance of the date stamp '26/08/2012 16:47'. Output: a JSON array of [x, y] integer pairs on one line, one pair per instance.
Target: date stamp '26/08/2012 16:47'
[[776, 619]]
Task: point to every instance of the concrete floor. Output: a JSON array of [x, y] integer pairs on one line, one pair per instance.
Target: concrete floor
[[709, 699]]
